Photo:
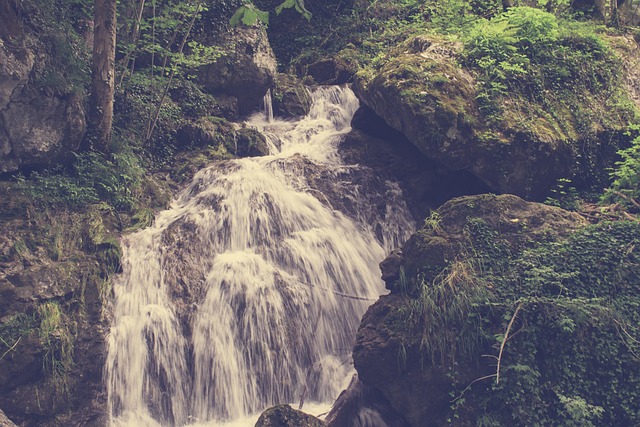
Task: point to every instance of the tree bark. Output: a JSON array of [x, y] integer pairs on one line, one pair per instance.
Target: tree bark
[[102, 76]]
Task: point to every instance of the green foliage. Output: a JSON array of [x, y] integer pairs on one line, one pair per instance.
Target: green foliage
[[58, 340], [564, 195], [55, 187], [12, 330], [445, 308], [58, 26], [625, 188], [93, 178], [115, 180], [249, 15], [298, 5], [573, 354]]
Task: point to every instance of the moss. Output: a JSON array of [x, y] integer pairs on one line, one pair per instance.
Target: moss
[[57, 336], [571, 300]]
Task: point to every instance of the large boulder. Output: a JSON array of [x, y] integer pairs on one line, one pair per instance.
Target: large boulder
[[421, 90], [486, 271], [37, 128], [246, 71]]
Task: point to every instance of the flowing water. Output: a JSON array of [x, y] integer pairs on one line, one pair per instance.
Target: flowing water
[[248, 291]]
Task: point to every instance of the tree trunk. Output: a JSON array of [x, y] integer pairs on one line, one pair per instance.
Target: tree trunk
[[102, 76], [614, 21]]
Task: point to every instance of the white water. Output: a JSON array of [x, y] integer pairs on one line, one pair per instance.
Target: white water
[[249, 290]]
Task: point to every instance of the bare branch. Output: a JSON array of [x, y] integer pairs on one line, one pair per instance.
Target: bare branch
[[504, 341]]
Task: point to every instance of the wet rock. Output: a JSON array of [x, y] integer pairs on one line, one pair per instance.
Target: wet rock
[[31, 390], [385, 362], [249, 143], [390, 267], [286, 416], [363, 405], [388, 153], [225, 106], [507, 214], [290, 97]]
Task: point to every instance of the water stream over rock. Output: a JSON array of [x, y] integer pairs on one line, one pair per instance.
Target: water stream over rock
[[249, 290]]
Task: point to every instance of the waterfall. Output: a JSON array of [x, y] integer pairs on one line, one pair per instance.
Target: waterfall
[[267, 103], [249, 290]]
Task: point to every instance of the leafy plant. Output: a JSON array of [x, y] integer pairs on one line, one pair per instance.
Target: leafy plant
[[625, 187], [248, 14]]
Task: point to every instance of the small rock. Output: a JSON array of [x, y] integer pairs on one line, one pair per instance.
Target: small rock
[[286, 416]]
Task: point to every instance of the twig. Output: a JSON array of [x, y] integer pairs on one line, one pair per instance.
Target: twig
[[486, 377], [10, 349], [504, 340]]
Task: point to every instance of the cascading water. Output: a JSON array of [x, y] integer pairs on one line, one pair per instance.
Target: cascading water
[[249, 290]]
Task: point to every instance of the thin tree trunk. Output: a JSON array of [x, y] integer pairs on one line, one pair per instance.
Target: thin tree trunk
[[154, 119], [102, 76], [615, 18]]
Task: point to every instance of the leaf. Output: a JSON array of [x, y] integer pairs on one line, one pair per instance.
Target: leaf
[[250, 17], [287, 4], [263, 16], [237, 17]]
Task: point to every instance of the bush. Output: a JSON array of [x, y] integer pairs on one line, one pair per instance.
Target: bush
[[625, 188]]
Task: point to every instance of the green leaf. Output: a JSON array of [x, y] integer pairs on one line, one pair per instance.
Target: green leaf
[[250, 17], [287, 4], [263, 16], [237, 17]]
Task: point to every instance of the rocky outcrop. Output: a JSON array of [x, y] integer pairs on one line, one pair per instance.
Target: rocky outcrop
[[479, 264], [388, 152], [421, 91], [51, 321], [246, 71], [286, 416], [37, 128]]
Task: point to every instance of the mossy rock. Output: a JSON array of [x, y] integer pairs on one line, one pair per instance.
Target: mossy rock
[[488, 270], [248, 142], [421, 89]]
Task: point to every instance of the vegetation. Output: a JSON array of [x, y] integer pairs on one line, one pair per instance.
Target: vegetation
[[558, 321], [558, 318]]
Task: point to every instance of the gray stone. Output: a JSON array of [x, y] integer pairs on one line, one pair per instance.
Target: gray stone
[[246, 71], [36, 129]]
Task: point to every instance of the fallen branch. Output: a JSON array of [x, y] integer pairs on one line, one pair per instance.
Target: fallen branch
[[627, 198]]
